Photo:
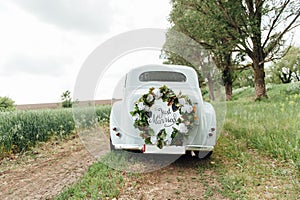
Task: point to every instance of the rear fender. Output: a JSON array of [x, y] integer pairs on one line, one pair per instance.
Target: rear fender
[[211, 124]]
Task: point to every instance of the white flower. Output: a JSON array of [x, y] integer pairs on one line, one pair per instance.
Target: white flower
[[141, 106], [147, 108], [168, 139], [149, 98], [136, 117], [153, 139], [187, 123], [183, 128], [157, 93], [181, 101], [187, 108]]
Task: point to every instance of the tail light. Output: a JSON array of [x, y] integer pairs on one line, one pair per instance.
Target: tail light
[[143, 148]]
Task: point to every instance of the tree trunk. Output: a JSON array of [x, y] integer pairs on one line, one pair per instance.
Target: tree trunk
[[258, 57], [210, 83], [228, 90], [259, 81], [227, 79]]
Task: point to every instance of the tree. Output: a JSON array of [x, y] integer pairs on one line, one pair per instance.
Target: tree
[[66, 99], [287, 69], [6, 104], [180, 49], [257, 27], [274, 18], [185, 18]]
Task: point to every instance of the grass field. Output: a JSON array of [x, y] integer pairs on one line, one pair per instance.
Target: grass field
[[20, 130], [257, 155]]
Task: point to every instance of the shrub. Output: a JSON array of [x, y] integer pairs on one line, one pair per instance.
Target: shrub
[[293, 88], [6, 104]]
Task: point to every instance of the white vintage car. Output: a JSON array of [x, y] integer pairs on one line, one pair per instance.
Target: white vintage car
[[162, 112]]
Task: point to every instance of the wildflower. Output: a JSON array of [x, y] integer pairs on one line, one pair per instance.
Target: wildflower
[[291, 102]]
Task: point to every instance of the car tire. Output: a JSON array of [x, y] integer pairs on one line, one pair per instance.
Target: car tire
[[111, 146], [204, 154]]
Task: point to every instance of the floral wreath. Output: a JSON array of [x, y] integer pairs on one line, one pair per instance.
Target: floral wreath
[[185, 122]]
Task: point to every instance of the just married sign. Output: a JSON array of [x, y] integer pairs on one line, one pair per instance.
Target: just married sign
[[161, 115]]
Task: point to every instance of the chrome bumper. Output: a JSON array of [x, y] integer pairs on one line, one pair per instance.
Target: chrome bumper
[[152, 149]]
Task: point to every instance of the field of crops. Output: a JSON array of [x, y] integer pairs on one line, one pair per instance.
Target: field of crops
[[20, 130]]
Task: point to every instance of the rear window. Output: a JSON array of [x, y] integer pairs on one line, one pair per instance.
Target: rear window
[[162, 76]]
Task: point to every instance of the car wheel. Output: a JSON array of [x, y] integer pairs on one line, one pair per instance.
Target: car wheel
[[204, 154], [112, 147]]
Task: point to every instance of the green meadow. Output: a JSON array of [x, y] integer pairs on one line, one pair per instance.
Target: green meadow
[[257, 155]]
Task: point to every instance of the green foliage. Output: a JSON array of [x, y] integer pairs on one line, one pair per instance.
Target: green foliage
[[255, 30], [271, 125], [259, 147], [293, 88], [208, 29], [100, 182], [287, 69], [89, 116], [20, 130], [244, 78], [6, 104], [276, 135], [66, 99]]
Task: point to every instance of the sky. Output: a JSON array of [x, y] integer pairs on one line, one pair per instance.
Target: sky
[[43, 44]]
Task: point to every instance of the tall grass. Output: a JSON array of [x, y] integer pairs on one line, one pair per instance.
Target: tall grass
[[258, 154], [272, 126], [20, 130]]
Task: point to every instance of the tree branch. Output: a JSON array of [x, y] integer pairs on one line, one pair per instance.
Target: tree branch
[[274, 43], [274, 23]]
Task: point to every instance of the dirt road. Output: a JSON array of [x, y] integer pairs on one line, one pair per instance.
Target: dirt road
[[45, 171], [180, 180]]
